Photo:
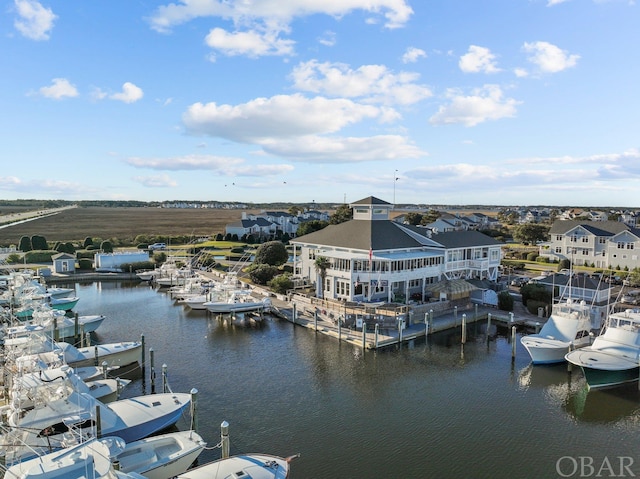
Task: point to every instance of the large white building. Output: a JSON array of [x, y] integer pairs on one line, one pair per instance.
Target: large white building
[[602, 244], [371, 258]]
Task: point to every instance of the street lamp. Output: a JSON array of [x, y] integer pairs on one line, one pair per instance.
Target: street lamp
[[395, 178]]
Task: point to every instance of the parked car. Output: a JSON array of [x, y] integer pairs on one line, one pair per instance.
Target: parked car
[[157, 246]]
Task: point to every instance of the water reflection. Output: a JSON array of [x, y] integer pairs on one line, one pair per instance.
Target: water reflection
[[570, 392]]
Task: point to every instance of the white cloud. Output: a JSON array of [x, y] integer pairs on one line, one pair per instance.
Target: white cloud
[[520, 72], [551, 3], [59, 89], [483, 105], [130, 93], [413, 54], [328, 39], [549, 58], [249, 12], [478, 59], [320, 149], [372, 83], [228, 166], [158, 181], [281, 116], [250, 43], [35, 21]]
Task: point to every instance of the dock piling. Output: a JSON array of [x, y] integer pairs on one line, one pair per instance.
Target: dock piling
[[464, 328], [513, 343], [194, 409], [224, 439]]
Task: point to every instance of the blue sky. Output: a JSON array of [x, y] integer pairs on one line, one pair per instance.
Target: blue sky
[[504, 102]]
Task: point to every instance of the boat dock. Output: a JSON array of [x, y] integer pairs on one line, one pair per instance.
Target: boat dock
[[379, 337]]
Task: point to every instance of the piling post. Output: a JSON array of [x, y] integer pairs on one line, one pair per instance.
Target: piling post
[[455, 315], [315, 320], [165, 383], [224, 439], [56, 333], [95, 355], [98, 422], [400, 321], [426, 324], [295, 313], [513, 343], [194, 409], [153, 370], [569, 365], [431, 320], [488, 326], [143, 361], [364, 335], [339, 329], [464, 328], [511, 320], [537, 327], [475, 317], [105, 369], [75, 328], [376, 336], [87, 339]]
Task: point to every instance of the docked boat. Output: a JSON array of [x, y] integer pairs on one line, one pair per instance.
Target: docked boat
[[114, 354], [248, 466], [45, 428], [612, 359], [56, 324], [89, 459], [157, 457], [568, 327], [238, 302]]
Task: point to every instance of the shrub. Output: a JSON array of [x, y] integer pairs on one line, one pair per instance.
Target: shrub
[[533, 305], [281, 283], [505, 301], [39, 256], [272, 253], [25, 244], [263, 273], [85, 264], [237, 250], [535, 292], [14, 258], [532, 256], [137, 266], [106, 247]]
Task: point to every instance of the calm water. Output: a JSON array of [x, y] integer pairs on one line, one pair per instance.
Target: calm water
[[428, 409]]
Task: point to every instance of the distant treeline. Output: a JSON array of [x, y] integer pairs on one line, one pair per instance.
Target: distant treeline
[[46, 204]]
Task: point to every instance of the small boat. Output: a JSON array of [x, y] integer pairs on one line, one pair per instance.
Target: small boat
[[613, 358], [114, 354], [89, 459], [64, 304], [568, 327], [246, 466], [51, 320], [238, 303], [157, 457], [30, 388]]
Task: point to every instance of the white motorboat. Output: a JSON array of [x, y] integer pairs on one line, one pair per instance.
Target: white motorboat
[[238, 302], [51, 320], [27, 390], [47, 427], [158, 457], [568, 327], [249, 466], [88, 459], [613, 358], [114, 354]]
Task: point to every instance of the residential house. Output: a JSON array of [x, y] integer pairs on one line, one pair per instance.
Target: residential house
[[372, 258], [602, 244]]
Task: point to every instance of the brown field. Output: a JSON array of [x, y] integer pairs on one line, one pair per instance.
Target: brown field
[[123, 223]]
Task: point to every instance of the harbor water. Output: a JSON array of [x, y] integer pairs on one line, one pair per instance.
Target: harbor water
[[428, 409]]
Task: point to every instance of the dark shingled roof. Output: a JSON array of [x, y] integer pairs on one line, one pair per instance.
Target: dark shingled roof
[[598, 228], [389, 235], [371, 200]]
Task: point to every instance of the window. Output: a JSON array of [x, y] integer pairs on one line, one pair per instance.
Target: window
[[585, 252], [585, 239], [629, 245], [559, 249]]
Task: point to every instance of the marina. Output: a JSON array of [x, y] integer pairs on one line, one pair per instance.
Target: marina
[[428, 407]]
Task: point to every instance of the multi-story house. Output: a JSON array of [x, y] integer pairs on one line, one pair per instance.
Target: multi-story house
[[372, 258], [602, 244]]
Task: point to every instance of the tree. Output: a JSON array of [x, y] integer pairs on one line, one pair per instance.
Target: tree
[[281, 283], [106, 247], [272, 252], [39, 242], [322, 263], [429, 217], [263, 273], [294, 210], [505, 301], [311, 226], [88, 241], [25, 244], [413, 218], [343, 213], [530, 233]]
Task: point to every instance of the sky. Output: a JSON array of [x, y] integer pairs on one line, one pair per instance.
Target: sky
[[456, 102]]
